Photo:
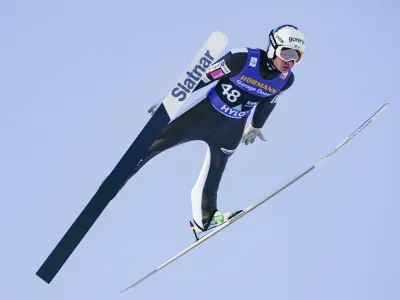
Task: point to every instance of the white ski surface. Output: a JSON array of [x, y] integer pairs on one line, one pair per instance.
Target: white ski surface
[[253, 206], [214, 46]]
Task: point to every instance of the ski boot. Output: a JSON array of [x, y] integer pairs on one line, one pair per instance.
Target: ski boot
[[216, 220]]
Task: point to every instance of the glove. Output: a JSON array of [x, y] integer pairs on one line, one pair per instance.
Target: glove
[[250, 135], [154, 107]]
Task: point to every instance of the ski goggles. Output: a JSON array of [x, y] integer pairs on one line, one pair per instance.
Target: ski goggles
[[288, 54]]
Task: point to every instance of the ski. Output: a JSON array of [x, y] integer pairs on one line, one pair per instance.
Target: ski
[[257, 204], [167, 110]]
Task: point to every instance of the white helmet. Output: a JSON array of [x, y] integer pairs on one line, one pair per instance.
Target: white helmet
[[286, 36]]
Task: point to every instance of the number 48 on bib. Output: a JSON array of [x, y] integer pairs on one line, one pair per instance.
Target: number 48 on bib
[[231, 94]]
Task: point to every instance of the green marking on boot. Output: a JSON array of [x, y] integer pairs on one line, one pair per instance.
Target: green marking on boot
[[218, 219]]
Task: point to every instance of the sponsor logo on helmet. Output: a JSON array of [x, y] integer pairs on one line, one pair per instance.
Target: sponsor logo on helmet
[[279, 38], [297, 40], [181, 90], [272, 39]]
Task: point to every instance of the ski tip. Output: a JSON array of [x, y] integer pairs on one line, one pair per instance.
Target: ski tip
[[385, 105], [219, 33], [221, 36], [382, 108]]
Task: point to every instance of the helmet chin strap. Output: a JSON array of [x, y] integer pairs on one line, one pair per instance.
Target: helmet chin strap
[[270, 65]]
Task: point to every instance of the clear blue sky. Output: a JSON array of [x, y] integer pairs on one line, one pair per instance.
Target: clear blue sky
[[76, 80]]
